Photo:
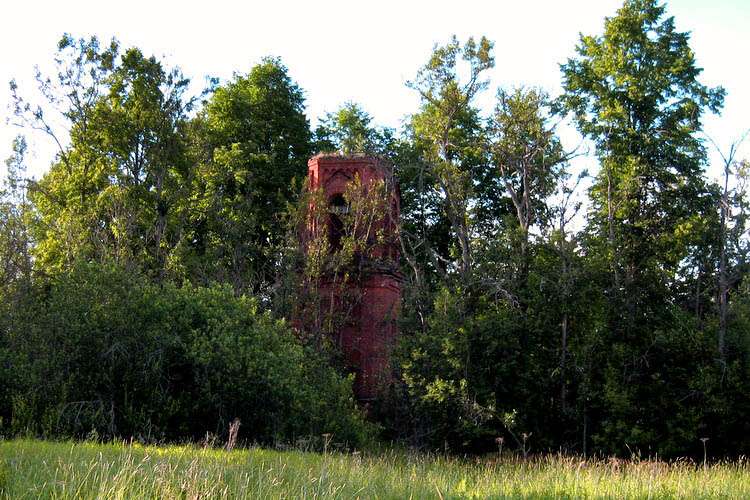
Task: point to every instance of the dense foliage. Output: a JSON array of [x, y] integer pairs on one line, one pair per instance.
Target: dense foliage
[[102, 350], [148, 279]]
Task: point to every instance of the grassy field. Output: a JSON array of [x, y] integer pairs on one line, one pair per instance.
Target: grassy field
[[37, 469]]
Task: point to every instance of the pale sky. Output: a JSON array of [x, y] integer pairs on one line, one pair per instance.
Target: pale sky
[[340, 51]]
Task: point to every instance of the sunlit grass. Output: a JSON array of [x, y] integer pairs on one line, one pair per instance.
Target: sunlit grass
[[34, 469]]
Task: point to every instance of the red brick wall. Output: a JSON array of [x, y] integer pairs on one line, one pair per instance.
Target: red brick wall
[[369, 332]]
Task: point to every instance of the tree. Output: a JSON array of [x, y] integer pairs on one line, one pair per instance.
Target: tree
[[15, 260], [15, 241], [140, 128], [249, 142], [350, 131], [65, 223], [111, 192], [528, 161], [732, 229], [447, 130], [635, 92]]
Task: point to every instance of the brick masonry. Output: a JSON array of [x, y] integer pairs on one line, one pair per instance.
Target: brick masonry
[[367, 336]]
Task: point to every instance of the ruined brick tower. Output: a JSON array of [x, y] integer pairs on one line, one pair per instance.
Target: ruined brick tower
[[369, 303]]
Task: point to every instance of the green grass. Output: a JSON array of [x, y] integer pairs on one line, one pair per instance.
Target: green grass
[[39, 469]]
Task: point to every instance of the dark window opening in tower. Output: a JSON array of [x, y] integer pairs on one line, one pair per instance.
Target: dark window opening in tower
[[337, 208]]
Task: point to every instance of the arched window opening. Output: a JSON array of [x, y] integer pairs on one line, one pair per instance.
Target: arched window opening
[[337, 209]]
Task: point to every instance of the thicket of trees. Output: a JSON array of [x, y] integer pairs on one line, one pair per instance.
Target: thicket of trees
[[148, 278]]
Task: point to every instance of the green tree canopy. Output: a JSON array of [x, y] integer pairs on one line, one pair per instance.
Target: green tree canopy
[[111, 193], [349, 130], [635, 92], [250, 141]]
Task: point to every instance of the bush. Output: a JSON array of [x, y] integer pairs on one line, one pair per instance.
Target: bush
[[104, 351]]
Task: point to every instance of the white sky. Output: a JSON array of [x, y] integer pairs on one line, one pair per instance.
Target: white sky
[[339, 51]]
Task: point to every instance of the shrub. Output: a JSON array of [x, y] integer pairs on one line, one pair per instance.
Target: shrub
[[103, 350]]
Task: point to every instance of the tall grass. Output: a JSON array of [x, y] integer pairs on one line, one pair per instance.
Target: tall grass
[[37, 469]]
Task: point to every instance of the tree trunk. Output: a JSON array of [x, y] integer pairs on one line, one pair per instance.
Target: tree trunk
[[723, 279], [563, 362]]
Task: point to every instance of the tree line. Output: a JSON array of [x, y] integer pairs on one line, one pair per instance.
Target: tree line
[[150, 276]]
